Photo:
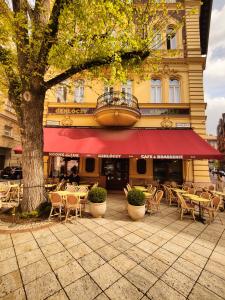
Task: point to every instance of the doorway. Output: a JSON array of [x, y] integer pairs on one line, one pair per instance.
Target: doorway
[[116, 171], [168, 170]]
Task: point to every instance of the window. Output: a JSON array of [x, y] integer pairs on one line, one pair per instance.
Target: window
[[108, 89], [156, 90], [79, 91], [157, 40], [171, 38], [141, 166], [126, 89], [174, 87], [90, 165], [61, 93], [8, 130]]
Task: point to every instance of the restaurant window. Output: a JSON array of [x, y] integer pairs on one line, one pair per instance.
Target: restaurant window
[[90, 165], [171, 38], [174, 93], [79, 91], [156, 90], [61, 93], [141, 166]]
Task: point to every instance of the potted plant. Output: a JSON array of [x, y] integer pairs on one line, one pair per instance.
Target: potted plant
[[97, 198], [136, 204]]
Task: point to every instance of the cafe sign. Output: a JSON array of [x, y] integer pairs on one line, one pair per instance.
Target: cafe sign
[[70, 110]]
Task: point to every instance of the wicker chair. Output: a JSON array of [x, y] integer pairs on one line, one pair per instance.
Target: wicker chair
[[185, 207], [213, 210], [57, 204], [153, 204], [72, 204]]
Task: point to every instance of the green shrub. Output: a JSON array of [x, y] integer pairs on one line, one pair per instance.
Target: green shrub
[[136, 197], [31, 214], [97, 195], [44, 209]]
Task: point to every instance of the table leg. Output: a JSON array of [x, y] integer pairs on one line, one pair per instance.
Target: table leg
[[200, 218]]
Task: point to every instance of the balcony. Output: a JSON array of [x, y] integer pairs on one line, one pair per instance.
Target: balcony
[[117, 109]]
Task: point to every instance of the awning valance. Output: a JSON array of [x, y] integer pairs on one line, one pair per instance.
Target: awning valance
[[141, 143]]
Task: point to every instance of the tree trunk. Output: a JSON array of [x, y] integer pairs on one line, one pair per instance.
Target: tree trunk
[[32, 151]]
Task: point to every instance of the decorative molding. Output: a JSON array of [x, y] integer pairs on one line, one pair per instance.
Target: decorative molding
[[67, 121], [166, 123]]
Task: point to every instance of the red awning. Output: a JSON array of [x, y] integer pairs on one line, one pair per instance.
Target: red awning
[[144, 143]]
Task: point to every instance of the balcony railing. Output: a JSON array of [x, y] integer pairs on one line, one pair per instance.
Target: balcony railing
[[113, 99]]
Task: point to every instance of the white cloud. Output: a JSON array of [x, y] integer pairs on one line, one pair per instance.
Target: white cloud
[[215, 108]]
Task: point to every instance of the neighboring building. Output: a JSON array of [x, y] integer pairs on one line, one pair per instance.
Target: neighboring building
[[212, 140], [9, 136], [221, 138], [139, 131]]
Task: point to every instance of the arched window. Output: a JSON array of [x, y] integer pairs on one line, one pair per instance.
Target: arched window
[[156, 90], [141, 166], [157, 40], [171, 41], [61, 93], [174, 93], [79, 91]]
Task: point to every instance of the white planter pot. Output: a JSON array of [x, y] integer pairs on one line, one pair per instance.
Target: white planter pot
[[97, 209], [136, 212]]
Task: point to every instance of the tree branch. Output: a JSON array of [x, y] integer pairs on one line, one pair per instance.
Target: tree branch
[[50, 35], [98, 62]]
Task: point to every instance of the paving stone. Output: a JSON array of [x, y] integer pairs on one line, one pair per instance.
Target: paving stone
[[71, 241], [157, 240], [121, 231], [199, 292], [173, 248], [34, 271], [87, 235], [4, 236], [9, 283], [102, 296], [91, 261], [5, 244], [30, 257], [105, 276], [121, 245], [20, 238], [194, 258], [154, 265], [69, 273], [60, 259], [142, 233], [122, 263], [8, 266], [96, 243], [215, 268], [219, 258], [187, 268], [136, 254], [180, 241], [45, 240], [161, 291], [25, 247], [43, 287], [133, 238], [80, 250], [107, 252], [16, 295], [213, 283], [6, 253], [123, 289], [52, 248], [83, 288], [165, 256], [99, 230], [178, 281], [60, 295], [64, 234], [201, 250], [141, 278], [109, 237]]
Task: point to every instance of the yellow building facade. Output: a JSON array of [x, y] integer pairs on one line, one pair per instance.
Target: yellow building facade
[[171, 99]]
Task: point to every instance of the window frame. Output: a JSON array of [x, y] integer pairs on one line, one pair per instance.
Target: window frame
[[79, 91], [139, 166], [92, 169], [157, 88], [174, 89], [171, 38]]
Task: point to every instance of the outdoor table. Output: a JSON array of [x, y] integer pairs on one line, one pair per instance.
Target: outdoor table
[[200, 201], [140, 188], [50, 186], [78, 194], [179, 191], [147, 194]]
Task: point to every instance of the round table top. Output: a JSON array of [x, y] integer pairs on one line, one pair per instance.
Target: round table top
[[78, 194], [140, 188], [179, 191], [196, 198]]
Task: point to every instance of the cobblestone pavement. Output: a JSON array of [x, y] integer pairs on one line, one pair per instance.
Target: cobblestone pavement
[[159, 257]]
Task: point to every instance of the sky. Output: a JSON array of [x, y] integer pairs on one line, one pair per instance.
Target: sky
[[214, 75]]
